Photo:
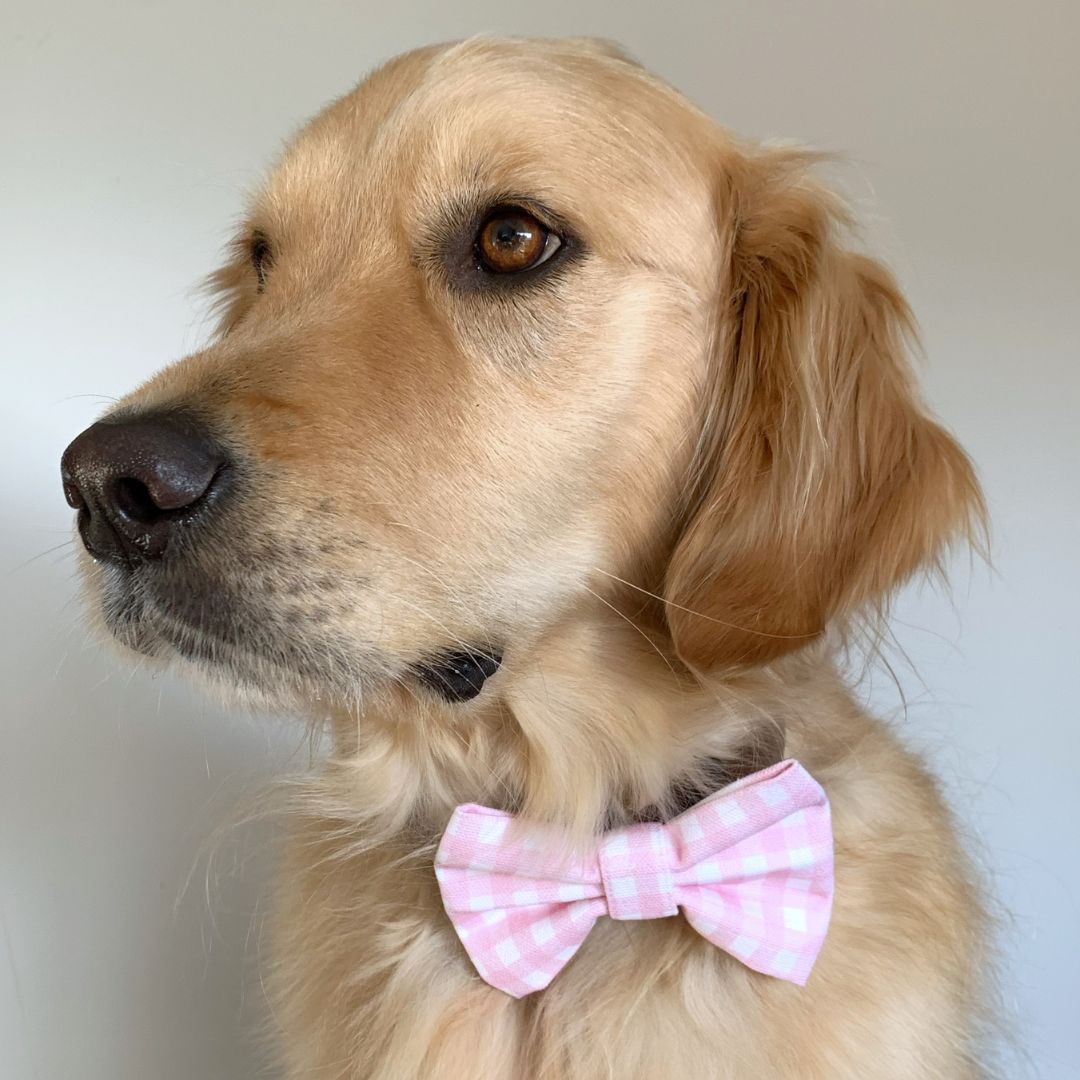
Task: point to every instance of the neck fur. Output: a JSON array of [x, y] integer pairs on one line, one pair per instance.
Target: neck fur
[[593, 726]]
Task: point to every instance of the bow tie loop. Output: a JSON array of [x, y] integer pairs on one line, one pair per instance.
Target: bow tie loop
[[637, 872]]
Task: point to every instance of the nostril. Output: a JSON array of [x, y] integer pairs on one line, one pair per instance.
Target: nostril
[[147, 501], [133, 499]]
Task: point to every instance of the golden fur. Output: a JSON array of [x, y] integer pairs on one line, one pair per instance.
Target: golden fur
[[667, 482]]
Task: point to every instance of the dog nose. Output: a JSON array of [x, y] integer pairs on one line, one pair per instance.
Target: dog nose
[[137, 483]]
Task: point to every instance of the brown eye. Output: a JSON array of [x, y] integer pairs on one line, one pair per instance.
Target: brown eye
[[512, 240], [260, 257]]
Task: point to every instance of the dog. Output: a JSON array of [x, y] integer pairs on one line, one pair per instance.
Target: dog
[[553, 447]]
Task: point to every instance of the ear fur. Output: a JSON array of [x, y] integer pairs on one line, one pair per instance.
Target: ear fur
[[821, 483]]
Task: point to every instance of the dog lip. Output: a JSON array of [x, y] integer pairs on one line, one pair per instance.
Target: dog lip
[[459, 675]]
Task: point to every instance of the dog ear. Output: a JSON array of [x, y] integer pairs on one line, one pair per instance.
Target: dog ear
[[821, 483]]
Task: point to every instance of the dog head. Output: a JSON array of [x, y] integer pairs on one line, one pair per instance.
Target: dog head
[[511, 325]]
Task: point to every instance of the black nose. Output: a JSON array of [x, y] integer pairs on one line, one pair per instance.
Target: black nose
[[137, 483]]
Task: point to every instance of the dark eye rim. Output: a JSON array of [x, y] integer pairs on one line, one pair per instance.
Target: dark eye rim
[[452, 246]]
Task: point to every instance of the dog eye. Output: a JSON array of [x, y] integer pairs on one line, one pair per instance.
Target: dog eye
[[261, 256], [512, 240]]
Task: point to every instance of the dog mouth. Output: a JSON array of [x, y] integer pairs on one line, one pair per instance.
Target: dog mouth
[[234, 632], [458, 675], [241, 638]]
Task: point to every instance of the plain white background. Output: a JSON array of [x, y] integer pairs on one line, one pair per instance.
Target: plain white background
[[130, 915]]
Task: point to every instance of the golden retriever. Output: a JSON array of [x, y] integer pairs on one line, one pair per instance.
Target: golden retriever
[[552, 444]]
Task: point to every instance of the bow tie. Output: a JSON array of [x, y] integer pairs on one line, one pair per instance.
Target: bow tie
[[751, 867]]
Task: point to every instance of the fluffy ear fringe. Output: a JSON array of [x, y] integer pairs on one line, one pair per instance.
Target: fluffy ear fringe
[[822, 483]]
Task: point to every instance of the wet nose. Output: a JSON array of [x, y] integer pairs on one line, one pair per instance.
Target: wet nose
[[138, 483]]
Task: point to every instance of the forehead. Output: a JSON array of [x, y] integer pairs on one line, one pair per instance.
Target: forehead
[[589, 134]]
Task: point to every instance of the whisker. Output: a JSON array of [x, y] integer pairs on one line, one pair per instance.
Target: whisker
[[626, 618], [702, 615], [455, 592], [41, 555], [77, 397], [469, 647]]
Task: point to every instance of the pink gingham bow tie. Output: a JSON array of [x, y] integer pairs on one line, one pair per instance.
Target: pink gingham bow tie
[[751, 867]]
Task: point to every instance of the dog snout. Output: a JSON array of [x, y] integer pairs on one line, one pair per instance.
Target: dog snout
[[138, 482]]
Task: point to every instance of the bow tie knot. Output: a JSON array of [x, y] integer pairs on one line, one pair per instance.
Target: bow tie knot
[[750, 867], [636, 872]]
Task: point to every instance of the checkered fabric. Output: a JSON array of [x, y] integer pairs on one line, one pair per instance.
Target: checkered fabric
[[751, 867]]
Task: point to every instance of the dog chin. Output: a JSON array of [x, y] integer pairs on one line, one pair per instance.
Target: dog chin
[[282, 677]]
